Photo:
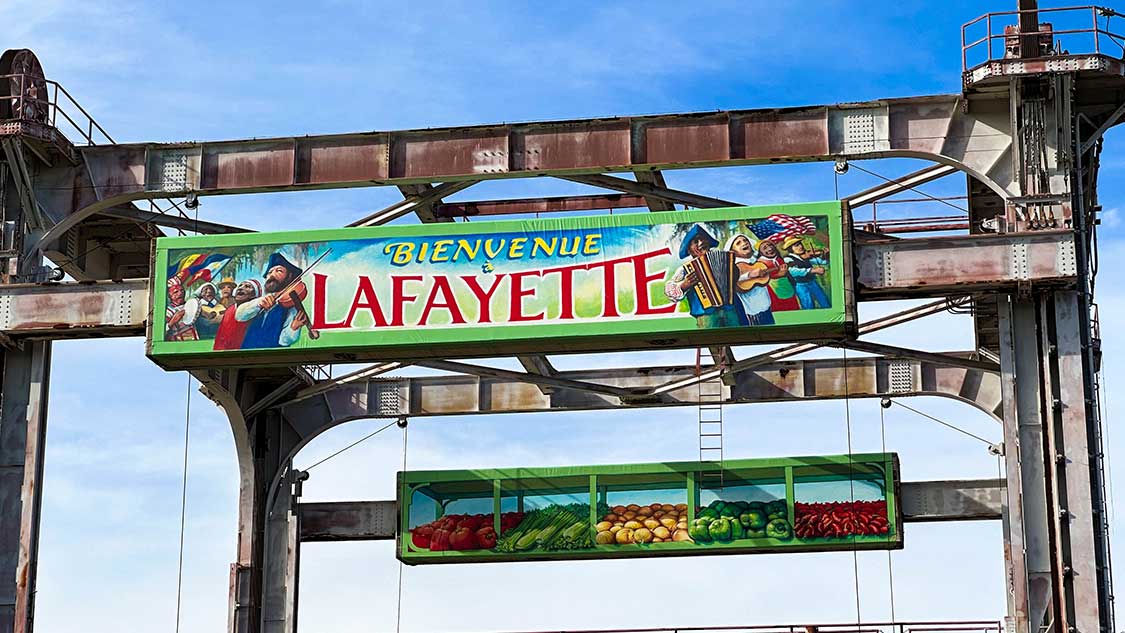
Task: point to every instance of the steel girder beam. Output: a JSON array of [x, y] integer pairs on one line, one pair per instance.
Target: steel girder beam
[[555, 204], [650, 190], [23, 432], [937, 128], [172, 221], [774, 382], [903, 183], [922, 501], [892, 269]]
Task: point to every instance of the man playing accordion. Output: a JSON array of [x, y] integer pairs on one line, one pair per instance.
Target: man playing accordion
[[706, 281]]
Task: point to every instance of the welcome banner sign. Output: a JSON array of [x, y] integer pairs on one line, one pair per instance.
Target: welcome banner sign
[[573, 284]]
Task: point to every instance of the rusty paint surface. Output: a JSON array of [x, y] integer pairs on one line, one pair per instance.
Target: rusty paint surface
[[26, 309], [781, 134], [600, 143], [539, 205], [342, 160], [233, 168], [687, 140], [438, 155]]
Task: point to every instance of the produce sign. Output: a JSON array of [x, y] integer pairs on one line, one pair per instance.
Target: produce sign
[[635, 281], [685, 508]]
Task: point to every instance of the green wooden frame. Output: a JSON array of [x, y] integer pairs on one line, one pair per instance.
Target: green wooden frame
[[586, 483]]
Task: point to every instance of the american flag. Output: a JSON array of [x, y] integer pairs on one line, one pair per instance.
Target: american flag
[[777, 227]]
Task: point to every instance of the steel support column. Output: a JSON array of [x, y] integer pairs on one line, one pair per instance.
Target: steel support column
[[23, 428]]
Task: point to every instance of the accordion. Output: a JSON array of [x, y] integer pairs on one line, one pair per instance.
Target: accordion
[[716, 275]]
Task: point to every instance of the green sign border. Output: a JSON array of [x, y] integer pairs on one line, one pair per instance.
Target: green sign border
[[409, 481], [481, 341]]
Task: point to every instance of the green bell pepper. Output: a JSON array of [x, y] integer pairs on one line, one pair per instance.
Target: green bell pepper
[[753, 520], [720, 529], [699, 532], [729, 511], [779, 529], [707, 513], [756, 533], [736, 531]]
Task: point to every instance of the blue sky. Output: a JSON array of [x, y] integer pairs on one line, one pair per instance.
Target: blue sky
[[161, 71]]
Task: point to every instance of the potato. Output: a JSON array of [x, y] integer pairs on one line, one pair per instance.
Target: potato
[[680, 507], [657, 540], [667, 507], [643, 535], [611, 517], [632, 507], [630, 515], [624, 537], [633, 525], [652, 524], [605, 538], [619, 523], [655, 506], [668, 523], [644, 512], [681, 536], [619, 509], [615, 529], [657, 514], [682, 525], [661, 533], [603, 526]]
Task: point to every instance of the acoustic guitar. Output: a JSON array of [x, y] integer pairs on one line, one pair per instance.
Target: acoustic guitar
[[759, 275]]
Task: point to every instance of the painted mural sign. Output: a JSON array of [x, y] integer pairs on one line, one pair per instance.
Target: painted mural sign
[[634, 281], [790, 504]]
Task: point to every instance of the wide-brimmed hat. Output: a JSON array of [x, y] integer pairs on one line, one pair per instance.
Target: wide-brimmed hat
[[277, 259], [696, 232], [227, 282], [790, 241]]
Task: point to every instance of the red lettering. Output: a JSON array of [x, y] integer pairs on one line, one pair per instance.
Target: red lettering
[[399, 298], [441, 284], [642, 278], [515, 312], [484, 299], [609, 291], [365, 299], [320, 299]]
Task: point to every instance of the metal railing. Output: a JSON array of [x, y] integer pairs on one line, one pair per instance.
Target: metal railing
[[1090, 38], [969, 626], [54, 107]]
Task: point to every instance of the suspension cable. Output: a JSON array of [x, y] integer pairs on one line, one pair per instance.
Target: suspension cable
[[890, 567], [402, 422], [917, 191], [851, 483], [183, 504], [939, 421], [353, 444]]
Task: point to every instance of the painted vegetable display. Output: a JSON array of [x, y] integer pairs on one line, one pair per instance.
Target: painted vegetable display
[[724, 521], [633, 523], [461, 531], [553, 528], [840, 519]]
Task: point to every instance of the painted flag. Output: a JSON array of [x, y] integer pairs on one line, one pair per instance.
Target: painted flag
[[777, 227], [197, 266]]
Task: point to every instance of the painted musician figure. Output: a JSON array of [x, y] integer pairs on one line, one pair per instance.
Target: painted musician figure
[[274, 320], [232, 329], [753, 281], [783, 294], [686, 284], [804, 266], [181, 325]]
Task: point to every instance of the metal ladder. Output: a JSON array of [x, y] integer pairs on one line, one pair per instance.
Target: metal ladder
[[710, 408]]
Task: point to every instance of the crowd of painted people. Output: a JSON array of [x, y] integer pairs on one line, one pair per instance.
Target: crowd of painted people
[[771, 277], [249, 314]]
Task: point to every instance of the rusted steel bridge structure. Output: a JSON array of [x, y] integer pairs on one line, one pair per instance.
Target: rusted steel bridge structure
[[1025, 134]]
